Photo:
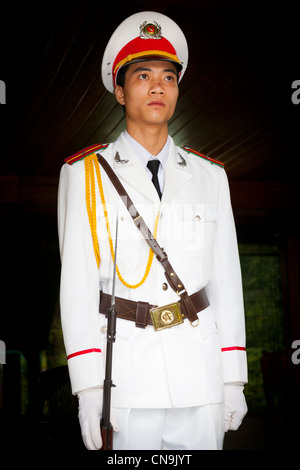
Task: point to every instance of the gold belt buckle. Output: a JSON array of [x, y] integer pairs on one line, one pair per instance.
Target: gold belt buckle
[[166, 316]]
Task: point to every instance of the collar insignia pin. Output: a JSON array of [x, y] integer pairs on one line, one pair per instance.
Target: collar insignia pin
[[182, 160], [120, 160]]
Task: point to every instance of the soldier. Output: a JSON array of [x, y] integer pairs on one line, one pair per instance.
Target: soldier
[[179, 360]]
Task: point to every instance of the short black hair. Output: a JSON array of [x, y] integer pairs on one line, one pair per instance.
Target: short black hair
[[121, 76]]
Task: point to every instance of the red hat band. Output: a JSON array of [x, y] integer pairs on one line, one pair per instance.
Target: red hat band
[[139, 48]]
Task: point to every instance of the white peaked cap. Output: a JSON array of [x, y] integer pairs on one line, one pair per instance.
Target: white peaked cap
[[143, 36]]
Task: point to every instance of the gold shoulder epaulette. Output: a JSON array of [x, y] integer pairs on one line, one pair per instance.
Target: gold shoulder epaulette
[[211, 160], [84, 153]]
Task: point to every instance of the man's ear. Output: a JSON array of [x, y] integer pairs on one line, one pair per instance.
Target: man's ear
[[119, 92]]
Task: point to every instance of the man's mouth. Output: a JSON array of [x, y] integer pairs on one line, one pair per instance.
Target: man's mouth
[[156, 103]]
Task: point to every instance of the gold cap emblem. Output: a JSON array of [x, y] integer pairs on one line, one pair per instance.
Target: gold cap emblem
[[150, 30]]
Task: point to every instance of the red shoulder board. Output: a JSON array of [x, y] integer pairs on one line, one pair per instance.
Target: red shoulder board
[[84, 153], [211, 160]]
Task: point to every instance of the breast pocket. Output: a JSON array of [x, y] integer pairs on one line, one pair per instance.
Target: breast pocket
[[199, 229], [210, 225]]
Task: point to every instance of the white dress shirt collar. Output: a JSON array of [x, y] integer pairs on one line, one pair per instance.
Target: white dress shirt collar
[[144, 155]]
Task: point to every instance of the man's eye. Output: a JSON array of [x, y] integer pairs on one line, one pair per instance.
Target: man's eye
[[143, 76], [170, 78]]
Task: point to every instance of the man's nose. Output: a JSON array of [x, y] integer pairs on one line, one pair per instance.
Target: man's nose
[[157, 88]]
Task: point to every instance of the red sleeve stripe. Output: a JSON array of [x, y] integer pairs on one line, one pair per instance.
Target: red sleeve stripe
[[85, 351], [233, 348]]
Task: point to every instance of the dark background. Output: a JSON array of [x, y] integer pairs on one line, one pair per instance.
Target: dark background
[[235, 106]]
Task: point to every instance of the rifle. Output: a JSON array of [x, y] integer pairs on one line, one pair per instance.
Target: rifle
[[111, 315]]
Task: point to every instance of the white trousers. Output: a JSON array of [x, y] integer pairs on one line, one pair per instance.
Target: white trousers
[[194, 428]]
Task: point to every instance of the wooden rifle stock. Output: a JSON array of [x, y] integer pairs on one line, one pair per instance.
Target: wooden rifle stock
[[107, 438]]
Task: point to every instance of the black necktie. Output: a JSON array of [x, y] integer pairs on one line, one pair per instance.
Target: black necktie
[[153, 167]]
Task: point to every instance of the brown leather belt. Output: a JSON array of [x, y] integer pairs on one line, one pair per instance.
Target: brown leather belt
[[139, 312]]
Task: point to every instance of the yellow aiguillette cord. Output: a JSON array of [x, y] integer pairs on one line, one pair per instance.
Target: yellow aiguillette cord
[[90, 193]]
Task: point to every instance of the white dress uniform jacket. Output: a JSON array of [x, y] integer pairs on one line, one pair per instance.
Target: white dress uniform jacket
[[176, 367]]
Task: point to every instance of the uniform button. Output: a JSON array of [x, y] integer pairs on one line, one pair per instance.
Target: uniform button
[[198, 218], [165, 286], [103, 329]]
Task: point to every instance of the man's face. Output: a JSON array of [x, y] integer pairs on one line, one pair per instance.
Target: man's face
[[150, 92]]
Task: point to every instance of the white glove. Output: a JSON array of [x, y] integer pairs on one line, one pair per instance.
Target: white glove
[[90, 413], [234, 406]]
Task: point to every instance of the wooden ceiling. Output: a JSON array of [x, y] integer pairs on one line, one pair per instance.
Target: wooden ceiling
[[235, 98]]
